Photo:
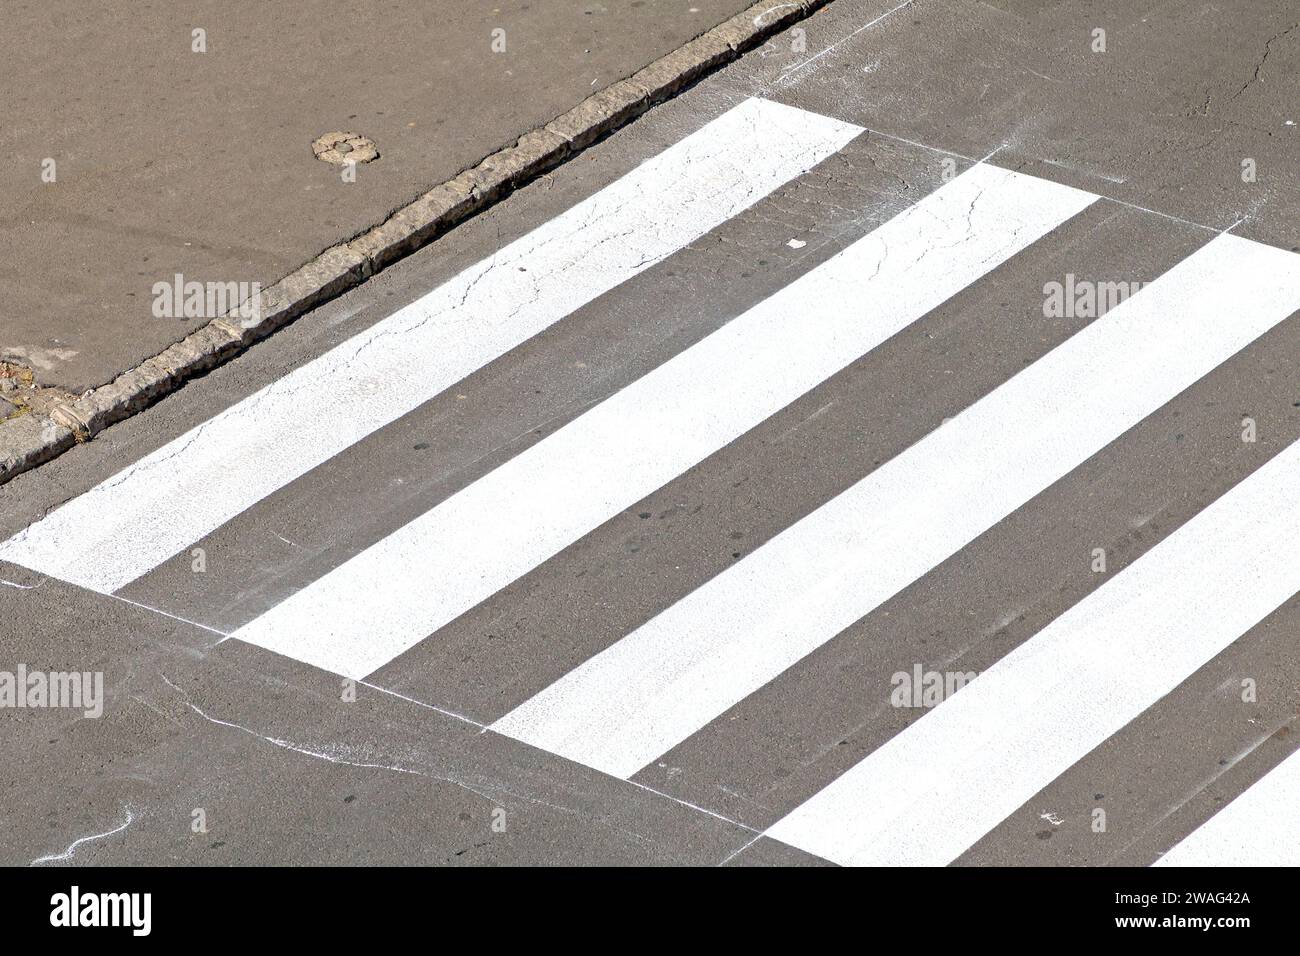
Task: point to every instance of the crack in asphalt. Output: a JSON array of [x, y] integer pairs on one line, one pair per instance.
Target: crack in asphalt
[[1268, 45], [71, 851]]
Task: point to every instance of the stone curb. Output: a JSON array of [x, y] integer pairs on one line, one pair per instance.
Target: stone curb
[[29, 440]]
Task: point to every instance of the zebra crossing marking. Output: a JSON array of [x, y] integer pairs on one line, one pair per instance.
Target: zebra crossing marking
[[667, 679], [921, 798], [368, 610], [145, 514], [1261, 827], [930, 792]]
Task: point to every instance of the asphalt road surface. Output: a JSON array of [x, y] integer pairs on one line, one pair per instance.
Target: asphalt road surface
[[883, 453], [144, 141]]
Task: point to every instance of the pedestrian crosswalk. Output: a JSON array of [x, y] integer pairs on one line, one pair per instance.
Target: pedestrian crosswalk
[[935, 788], [939, 784], [750, 623], [498, 528], [114, 533]]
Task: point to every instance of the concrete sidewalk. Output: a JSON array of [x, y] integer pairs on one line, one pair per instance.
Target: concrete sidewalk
[[139, 149]]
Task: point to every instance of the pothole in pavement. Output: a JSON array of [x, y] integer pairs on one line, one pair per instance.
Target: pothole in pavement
[[340, 148], [20, 395]]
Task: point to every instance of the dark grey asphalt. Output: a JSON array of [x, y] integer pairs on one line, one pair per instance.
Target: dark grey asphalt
[[287, 772]]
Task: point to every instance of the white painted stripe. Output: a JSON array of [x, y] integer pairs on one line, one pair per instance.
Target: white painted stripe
[[667, 679], [933, 790], [1259, 828], [137, 519], [393, 595]]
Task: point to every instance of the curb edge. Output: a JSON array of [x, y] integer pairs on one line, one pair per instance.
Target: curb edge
[[29, 441]]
